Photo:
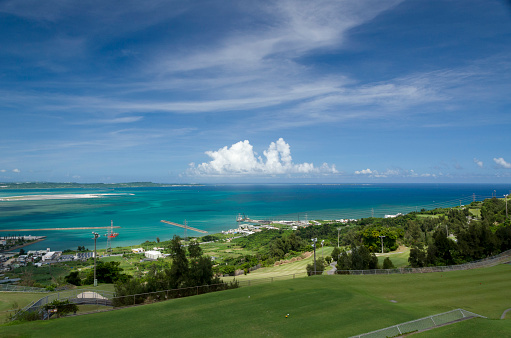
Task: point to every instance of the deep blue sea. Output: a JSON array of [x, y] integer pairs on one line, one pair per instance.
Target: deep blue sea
[[214, 207]]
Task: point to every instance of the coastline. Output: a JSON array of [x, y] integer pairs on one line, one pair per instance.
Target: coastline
[[24, 245]]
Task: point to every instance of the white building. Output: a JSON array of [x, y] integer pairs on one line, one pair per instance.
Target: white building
[[51, 255], [153, 254]]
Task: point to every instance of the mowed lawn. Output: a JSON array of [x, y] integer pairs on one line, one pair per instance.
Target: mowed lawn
[[321, 306], [399, 258], [11, 300], [284, 271]]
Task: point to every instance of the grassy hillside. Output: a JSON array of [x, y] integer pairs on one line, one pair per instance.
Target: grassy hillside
[[318, 306]]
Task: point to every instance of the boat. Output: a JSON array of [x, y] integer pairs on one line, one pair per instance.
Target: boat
[[241, 218]]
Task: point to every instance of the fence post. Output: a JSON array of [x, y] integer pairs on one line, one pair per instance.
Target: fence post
[[133, 299]]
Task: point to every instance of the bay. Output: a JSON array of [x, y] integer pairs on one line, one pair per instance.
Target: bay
[[214, 208]]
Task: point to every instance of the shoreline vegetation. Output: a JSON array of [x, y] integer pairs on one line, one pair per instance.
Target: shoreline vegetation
[[23, 245]]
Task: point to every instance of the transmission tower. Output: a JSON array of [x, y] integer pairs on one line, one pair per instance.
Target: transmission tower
[[109, 236]]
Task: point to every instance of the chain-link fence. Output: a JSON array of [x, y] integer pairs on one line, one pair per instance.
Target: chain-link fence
[[20, 288], [77, 296], [421, 324], [503, 257], [105, 300]]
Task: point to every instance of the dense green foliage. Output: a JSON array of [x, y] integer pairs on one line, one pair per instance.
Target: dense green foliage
[[182, 274], [318, 269], [63, 307], [106, 272], [73, 278], [359, 258]]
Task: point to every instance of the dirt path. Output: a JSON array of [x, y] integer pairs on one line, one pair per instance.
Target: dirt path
[[504, 314]]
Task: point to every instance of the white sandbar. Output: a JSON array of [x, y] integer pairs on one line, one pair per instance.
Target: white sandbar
[[55, 197]]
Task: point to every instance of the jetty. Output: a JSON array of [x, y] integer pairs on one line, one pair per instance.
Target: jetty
[[184, 226]]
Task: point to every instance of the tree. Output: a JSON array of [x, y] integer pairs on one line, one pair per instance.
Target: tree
[[504, 236], [328, 259], [109, 272], [417, 257], [63, 307], [178, 272], [444, 248], [201, 271], [194, 249], [387, 264], [477, 241], [320, 267], [73, 278], [344, 262], [335, 254], [362, 259]]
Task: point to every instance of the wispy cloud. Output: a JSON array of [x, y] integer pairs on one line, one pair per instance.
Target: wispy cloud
[[401, 173], [479, 163]]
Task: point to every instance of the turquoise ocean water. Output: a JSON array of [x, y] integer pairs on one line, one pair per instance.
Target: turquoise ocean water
[[214, 207]]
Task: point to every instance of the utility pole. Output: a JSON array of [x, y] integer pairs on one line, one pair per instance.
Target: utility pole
[[382, 242], [186, 225], [506, 205], [322, 242], [338, 229], [314, 240], [96, 235]]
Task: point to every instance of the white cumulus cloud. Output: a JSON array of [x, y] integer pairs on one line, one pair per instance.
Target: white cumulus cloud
[[240, 159], [478, 162], [364, 172], [16, 171], [501, 162]]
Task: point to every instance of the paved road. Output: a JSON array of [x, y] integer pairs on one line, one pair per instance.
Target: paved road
[[333, 269]]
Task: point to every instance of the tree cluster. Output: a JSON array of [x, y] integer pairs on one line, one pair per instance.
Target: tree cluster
[[185, 272], [359, 258]]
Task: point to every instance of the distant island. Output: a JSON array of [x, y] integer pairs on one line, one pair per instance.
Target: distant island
[[71, 185]]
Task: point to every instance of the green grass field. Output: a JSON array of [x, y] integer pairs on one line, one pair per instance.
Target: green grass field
[[399, 259], [335, 305], [288, 269], [11, 300]]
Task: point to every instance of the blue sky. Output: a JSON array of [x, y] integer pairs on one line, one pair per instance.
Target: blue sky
[[255, 91]]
